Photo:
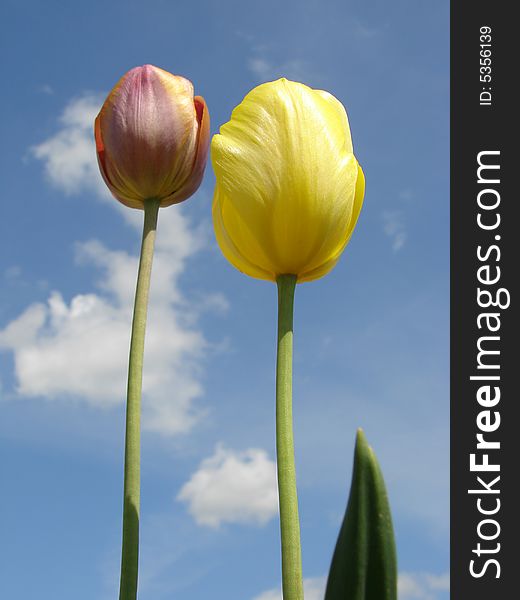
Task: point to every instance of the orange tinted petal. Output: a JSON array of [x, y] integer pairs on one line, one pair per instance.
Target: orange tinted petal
[[194, 179]]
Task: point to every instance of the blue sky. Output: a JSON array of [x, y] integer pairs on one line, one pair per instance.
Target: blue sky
[[371, 338]]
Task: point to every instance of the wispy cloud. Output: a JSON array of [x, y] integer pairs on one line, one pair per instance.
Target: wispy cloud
[[266, 69], [313, 589], [170, 549], [365, 31], [267, 62], [232, 487], [423, 586], [394, 227], [46, 89], [406, 195], [68, 156], [411, 586], [13, 272]]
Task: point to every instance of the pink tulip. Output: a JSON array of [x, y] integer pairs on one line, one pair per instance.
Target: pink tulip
[[152, 138]]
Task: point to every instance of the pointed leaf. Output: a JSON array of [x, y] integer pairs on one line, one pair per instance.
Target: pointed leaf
[[364, 565]]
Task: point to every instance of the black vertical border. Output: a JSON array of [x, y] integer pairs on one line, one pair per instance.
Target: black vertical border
[[476, 128]]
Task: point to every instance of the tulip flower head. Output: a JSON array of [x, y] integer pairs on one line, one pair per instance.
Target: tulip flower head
[[289, 188], [152, 138]]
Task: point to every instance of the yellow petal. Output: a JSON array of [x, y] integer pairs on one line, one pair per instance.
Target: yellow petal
[[337, 115], [284, 165], [236, 242], [327, 265]]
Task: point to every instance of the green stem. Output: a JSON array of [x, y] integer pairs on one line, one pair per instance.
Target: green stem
[[292, 583], [130, 548]]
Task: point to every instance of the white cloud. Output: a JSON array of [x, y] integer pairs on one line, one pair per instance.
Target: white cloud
[[422, 586], [78, 349], [69, 155], [232, 487], [13, 272], [406, 195], [46, 89], [411, 586], [365, 31], [265, 69], [394, 227], [313, 589]]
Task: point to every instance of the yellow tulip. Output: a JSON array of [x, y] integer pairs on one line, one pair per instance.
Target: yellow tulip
[[289, 188]]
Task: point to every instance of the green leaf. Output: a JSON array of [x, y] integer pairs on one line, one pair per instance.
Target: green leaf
[[364, 565]]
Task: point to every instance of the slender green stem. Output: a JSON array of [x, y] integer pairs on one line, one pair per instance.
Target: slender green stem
[[292, 583], [130, 548]]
